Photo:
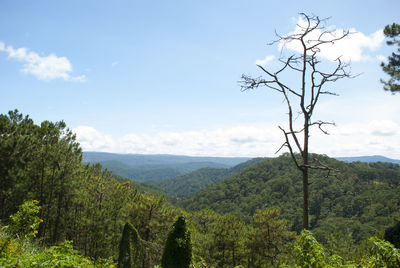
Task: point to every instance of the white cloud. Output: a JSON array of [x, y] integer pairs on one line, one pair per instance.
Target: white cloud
[[265, 61], [249, 140], [369, 138], [92, 140], [377, 137], [351, 48], [44, 68], [115, 63]]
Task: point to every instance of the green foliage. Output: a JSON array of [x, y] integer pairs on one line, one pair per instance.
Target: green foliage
[[25, 222], [178, 247], [17, 248], [187, 184], [219, 239], [58, 256], [198, 263], [308, 252], [26, 254], [202, 224], [129, 248], [81, 203], [392, 68], [229, 235], [269, 242], [382, 254], [89, 206], [361, 199]]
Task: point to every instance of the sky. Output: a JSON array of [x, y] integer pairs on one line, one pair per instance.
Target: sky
[[162, 77]]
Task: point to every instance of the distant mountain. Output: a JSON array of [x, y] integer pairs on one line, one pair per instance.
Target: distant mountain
[[155, 167], [187, 184], [140, 173], [368, 159], [143, 159]]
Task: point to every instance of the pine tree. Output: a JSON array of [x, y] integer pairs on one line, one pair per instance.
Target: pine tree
[[178, 248], [392, 67], [129, 247]]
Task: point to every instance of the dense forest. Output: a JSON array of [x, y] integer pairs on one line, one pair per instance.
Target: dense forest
[[58, 212], [360, 199], [188, 184]]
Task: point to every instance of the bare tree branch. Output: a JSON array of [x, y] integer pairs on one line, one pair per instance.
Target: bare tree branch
[[312, 36]]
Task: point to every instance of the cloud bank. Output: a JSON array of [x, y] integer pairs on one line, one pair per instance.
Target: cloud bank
[[44, 68], [371, 138]]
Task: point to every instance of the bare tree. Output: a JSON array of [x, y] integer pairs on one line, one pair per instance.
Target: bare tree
[[309, 39]]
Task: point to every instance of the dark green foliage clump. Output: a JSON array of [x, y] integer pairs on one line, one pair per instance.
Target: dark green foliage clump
[[178, 248], [129, 247], [392, 68], [392, 234]]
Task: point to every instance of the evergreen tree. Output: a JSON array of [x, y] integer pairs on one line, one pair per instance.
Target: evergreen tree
[[178, 248], [129, 247], [392, 68], [269, 239]]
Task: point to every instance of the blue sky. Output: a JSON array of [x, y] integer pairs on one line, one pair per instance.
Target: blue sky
[[162, 76]]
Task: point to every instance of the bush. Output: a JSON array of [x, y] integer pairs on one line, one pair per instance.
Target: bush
[[25, 223]]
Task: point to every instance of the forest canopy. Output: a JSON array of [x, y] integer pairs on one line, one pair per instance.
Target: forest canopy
[[75, 213]]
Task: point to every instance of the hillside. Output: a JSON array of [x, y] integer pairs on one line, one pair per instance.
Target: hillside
[[187, 184], [156, 167], [360, 200]]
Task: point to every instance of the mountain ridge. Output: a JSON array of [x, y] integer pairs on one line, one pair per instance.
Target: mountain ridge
[[143, 168], [368, 159]]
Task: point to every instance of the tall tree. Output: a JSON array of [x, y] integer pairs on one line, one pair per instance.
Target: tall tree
[[178, 248], [392, 68], [309, 38], [229, 235], [129, 247], [269, 239]]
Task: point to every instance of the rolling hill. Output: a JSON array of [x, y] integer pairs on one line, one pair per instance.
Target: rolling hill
[[187, 184], [362, 198], [156, 167]]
